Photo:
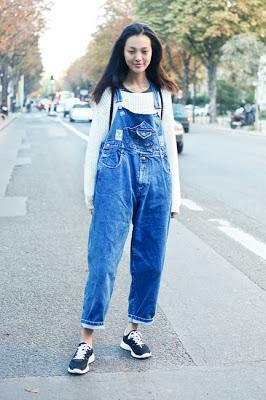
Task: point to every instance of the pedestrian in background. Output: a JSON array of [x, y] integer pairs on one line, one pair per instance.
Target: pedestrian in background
[[131, 176]]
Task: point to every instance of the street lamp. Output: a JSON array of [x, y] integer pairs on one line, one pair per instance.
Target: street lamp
[[52, 88]]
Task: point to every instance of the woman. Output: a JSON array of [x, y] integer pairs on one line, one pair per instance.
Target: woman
[[128, 179]]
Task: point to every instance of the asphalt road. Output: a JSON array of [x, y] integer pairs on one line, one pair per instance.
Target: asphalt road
[[208, 340]]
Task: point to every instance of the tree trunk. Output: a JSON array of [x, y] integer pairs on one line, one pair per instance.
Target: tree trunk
[[194, 82], [185, 88], [182, 77], [4, 82], [212, 74]]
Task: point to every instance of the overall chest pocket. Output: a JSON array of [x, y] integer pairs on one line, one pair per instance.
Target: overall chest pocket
[[142, 134], [110, 157]]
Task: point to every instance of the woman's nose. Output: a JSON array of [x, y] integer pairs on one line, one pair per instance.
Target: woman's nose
[[138, 57]]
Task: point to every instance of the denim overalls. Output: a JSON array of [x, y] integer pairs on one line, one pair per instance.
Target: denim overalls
[[133, 184]]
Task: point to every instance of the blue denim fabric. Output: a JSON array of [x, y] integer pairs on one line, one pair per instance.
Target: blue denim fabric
[[133, 184]]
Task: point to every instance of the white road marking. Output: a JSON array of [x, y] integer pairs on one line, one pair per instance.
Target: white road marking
[[191, 205], [74, 130], [255, 246]]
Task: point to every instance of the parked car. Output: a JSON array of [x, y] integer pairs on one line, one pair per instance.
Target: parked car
[[179, 135], [68, 104], [81, 112], [41, 104], [180, 115]]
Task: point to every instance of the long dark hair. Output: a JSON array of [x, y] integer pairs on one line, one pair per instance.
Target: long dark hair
[[116, 70]]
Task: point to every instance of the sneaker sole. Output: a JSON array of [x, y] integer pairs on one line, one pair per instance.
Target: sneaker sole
[[125, 346], [84, 371]]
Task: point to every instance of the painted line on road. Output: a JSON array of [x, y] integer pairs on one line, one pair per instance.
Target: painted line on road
[[191, 205], [74, 130], [245, 239]]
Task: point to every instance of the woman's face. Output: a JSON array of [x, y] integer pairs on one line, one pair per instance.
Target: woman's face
[[138, 53]]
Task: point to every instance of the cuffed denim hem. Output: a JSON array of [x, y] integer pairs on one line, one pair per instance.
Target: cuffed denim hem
[[139, 320], [91, 325]]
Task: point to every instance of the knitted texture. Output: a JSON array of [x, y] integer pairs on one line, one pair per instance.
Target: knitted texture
[[141, 103]]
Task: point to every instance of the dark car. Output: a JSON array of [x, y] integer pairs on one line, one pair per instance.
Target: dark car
[[180, 115]]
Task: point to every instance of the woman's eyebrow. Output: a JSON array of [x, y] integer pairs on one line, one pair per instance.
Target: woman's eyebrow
[[142, 48]]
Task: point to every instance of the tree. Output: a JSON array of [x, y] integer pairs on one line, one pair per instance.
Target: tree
[[179, 61], [240, 62], [205, 27], [115, 17], [88, 69], [228, 97], [21, 22]]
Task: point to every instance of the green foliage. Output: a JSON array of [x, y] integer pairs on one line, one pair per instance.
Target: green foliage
[[263, 115], [204, 27], [202, 100], [228, 97], [240, 61]]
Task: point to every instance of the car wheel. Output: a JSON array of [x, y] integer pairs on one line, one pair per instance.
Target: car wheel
[[71, 119], [180, 147]]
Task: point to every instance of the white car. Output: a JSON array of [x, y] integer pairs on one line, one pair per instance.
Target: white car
[[69, 103], [81, 112]]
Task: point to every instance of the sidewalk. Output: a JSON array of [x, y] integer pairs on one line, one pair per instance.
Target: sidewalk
[[10, 143], [223, 124], [244, 382], [218, 314], [8, 120]]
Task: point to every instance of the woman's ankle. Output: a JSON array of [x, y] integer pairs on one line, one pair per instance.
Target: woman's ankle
[[131, 327], [87, 336]]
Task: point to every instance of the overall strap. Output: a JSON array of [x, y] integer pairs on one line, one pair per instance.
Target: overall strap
[[161, 98], [111, 108], [158, 104], [156, 101], [117, 97]]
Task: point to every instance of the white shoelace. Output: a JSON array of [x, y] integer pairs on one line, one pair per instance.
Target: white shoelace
[[137, 337], [81, 352]]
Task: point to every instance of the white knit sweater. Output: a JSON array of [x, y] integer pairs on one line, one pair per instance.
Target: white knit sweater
[[141, 103]]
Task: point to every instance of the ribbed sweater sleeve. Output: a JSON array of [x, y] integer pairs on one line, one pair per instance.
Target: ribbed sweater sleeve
[[98, 131], [138, 103], [168, 128]]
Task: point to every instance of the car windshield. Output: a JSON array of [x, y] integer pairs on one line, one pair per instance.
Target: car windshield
[[82, 105], [179, 109]]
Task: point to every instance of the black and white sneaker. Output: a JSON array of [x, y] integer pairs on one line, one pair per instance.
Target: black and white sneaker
[[81, 359], [133, 342]]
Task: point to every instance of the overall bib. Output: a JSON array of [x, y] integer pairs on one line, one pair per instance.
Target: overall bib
[[133, 185]]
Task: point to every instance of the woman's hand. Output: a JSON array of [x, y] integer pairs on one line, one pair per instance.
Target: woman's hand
[[174, 215]]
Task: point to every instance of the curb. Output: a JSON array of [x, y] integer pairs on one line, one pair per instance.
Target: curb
[[7, 122], [227, 129]]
